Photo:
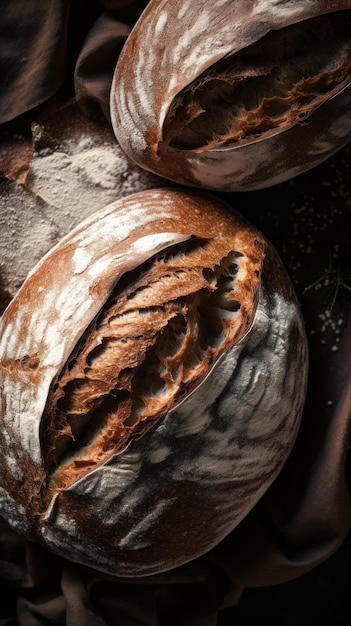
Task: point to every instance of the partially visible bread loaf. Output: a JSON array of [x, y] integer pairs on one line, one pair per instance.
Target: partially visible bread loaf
[[152, 373], [234, 95]]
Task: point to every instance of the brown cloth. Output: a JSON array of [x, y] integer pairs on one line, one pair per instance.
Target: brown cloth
[[68, 47], [50, 47], [33, 52]]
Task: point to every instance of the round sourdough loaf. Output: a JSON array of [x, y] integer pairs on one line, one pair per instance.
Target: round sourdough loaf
[[152, 373]]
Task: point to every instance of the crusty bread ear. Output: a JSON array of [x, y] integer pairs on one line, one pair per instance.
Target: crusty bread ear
[[152, 375]]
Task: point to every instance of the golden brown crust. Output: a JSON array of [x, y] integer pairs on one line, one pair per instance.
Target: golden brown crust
[[155, 358], [156, 339]]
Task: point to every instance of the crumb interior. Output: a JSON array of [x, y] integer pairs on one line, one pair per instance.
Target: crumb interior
[[155, 340], [276, 82]]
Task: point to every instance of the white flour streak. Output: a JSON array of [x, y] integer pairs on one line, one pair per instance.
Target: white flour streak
[[81, 260], [158, 241], [161, 22], [279, 10], [133, 539], [142, 86], [184, 8]]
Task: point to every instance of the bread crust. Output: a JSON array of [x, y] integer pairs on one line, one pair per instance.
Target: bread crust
[[153, 372], [236, 95]]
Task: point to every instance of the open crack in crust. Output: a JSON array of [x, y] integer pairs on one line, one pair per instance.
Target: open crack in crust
[[156, 339], [266, 88]]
